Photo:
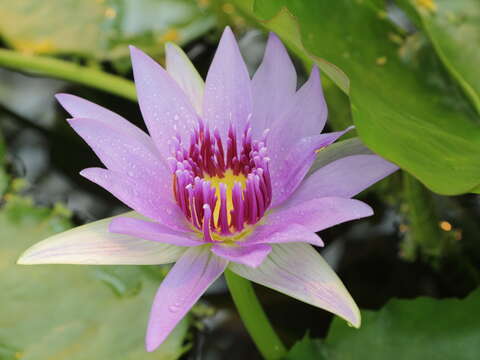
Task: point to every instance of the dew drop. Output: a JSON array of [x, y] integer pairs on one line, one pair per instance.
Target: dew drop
[[173, 308]]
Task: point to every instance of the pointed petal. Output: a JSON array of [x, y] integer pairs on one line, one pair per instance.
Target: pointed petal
[[123, 153], [185, 283], [339, 150], [322, 213], [290, 170], [147, 200], [345, 177], [273, 86], [299, 271], [148, 230], [283, 232], [81, 108], [228, 95], [94, 244], [308, 112], [180, 68], [251, 256], [166, 109]]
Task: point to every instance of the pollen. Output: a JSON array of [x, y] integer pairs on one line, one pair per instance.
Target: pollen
[[228, 180]]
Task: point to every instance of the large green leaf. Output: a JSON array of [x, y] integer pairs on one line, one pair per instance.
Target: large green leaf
[[404, 105], [454, 28], [423, 328], [3, 174], [67, 312], [100, 29]]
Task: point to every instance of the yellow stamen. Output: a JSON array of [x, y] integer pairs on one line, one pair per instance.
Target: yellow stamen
[[229, 179]]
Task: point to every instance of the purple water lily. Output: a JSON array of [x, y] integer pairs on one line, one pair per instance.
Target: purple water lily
[[220, 182]]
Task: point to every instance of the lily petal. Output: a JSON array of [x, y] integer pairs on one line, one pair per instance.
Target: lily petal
[[81, 108], [166, 109], [251, 256], [153, 231], [185, 283], [345, 177], [308, 112], [123, 153], [283, 232], [179, 66], [290, 171], [272, 93], [299, 271], [136, 195], [322, 213], [228, 95], [94, 244]]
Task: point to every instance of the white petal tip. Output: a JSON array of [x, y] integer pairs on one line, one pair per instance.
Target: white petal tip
[[150, 347], [22, 261], [27, 258]]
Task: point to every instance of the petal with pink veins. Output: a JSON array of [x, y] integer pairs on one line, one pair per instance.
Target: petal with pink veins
[[272, 94], [297, 270], [283, 232], [243, 254], [81, 108], [144, 199], [345, 177], [308, 113], [179, 66], [289, 171], [148, 230], [123, 153], [166, 109], [228, 94], [94, 244], [188, 279], [320, 214]]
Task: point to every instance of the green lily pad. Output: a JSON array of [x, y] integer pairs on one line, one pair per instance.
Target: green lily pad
[[454, 29], [4, 178], [68, 312], [405, 106], [423, 328], [100, 30]]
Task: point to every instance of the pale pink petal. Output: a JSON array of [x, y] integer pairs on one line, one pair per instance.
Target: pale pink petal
[[321, 213], [179, 66], [123, 153], [228, 95], [185, 283], [95, 244], [148, 230], [81, 108], [282, 232], [248, 255], [306, 117], [166, 109], [299, 271], [345, 177], [290, 170], [273, 86], [339, 150], [152, 202]]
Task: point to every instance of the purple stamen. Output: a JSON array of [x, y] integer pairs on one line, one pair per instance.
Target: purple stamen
[[206, 156]]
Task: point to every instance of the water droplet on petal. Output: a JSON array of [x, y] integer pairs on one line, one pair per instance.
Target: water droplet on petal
[[173, 308]]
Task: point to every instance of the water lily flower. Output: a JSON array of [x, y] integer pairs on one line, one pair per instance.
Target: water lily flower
[[221, 181]]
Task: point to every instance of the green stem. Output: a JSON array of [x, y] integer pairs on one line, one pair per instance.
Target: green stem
[[65, 70], [254, 318]]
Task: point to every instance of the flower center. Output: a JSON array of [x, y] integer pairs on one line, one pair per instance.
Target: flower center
[[221, 189]]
